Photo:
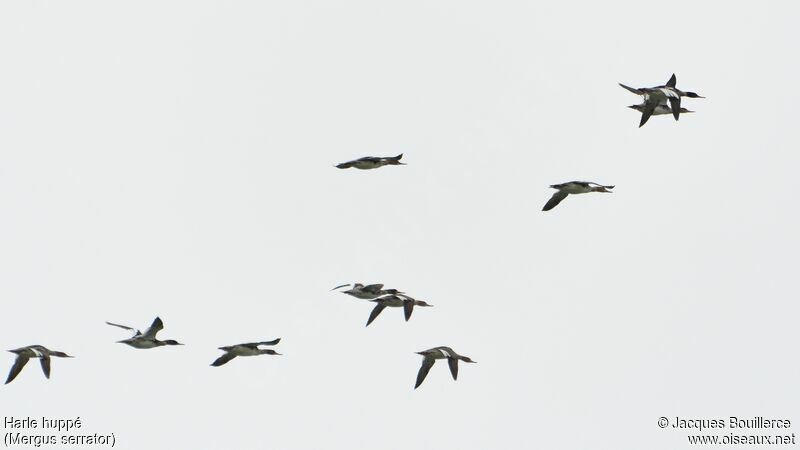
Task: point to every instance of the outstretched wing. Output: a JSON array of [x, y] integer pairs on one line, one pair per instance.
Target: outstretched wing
[[555, 200], [373, 288], [634, 90], [408, 308], [675, 104], [155, 327], [672, 81], [223, 359], [45, 360], [649, 106], [17, 368], [453, 363], [138, 333], [427, 363], [375, 312], [256, 344]]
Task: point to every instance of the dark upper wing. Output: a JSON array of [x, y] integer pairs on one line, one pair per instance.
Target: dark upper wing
[[45, 360], [634, 90], [453, 363], [427, 363], [672, 81], [408, 308], [125, 328], [650, 105], [555, 200], [155, 327], [256, 344], [375, 311], [223, 359], [17, 368], [675, 103], [373, 288]]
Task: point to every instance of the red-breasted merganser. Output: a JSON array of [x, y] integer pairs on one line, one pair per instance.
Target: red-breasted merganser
[[249, 349], [146, 339], [573, 187], [656, 96], [372, 162], [367, 292], [395, 301], [661, 109], [24, 354], [430, 357]]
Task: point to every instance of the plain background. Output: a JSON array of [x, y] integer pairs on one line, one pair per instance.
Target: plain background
[[175, 158]]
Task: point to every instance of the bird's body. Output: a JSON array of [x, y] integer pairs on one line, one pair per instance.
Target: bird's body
[[395, 301], [431, 355], [24, 354], [661, 109], [573, 187], [367, 292], [147, 339], [372, 162], [656, 98], [248, 349]]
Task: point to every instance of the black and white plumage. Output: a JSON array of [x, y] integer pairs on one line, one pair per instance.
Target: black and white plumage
[[372, 162], [248, 349], [656, 98], [573, 187], [367, 292], [431, 355], [661, 109], [148, 338], [24, 354], [395, 301]]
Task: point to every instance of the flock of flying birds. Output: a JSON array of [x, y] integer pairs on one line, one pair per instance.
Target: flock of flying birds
[[139, 340], [394, 298], [658, 100]]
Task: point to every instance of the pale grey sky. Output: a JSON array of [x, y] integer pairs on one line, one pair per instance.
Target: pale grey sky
[[175, 158]]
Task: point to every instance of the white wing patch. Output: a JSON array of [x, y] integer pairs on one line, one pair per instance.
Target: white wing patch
[[669, 92], [446, 354]]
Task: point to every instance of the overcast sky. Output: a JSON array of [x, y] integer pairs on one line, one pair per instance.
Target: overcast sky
[[175, 158]]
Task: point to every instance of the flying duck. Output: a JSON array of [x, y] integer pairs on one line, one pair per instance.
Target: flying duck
[[146, 339], [367, 292], [249, 349], [662, 108], [395, 301], [656, 96], [573, 187], [430, 357], [33, 351], [372, 162]]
